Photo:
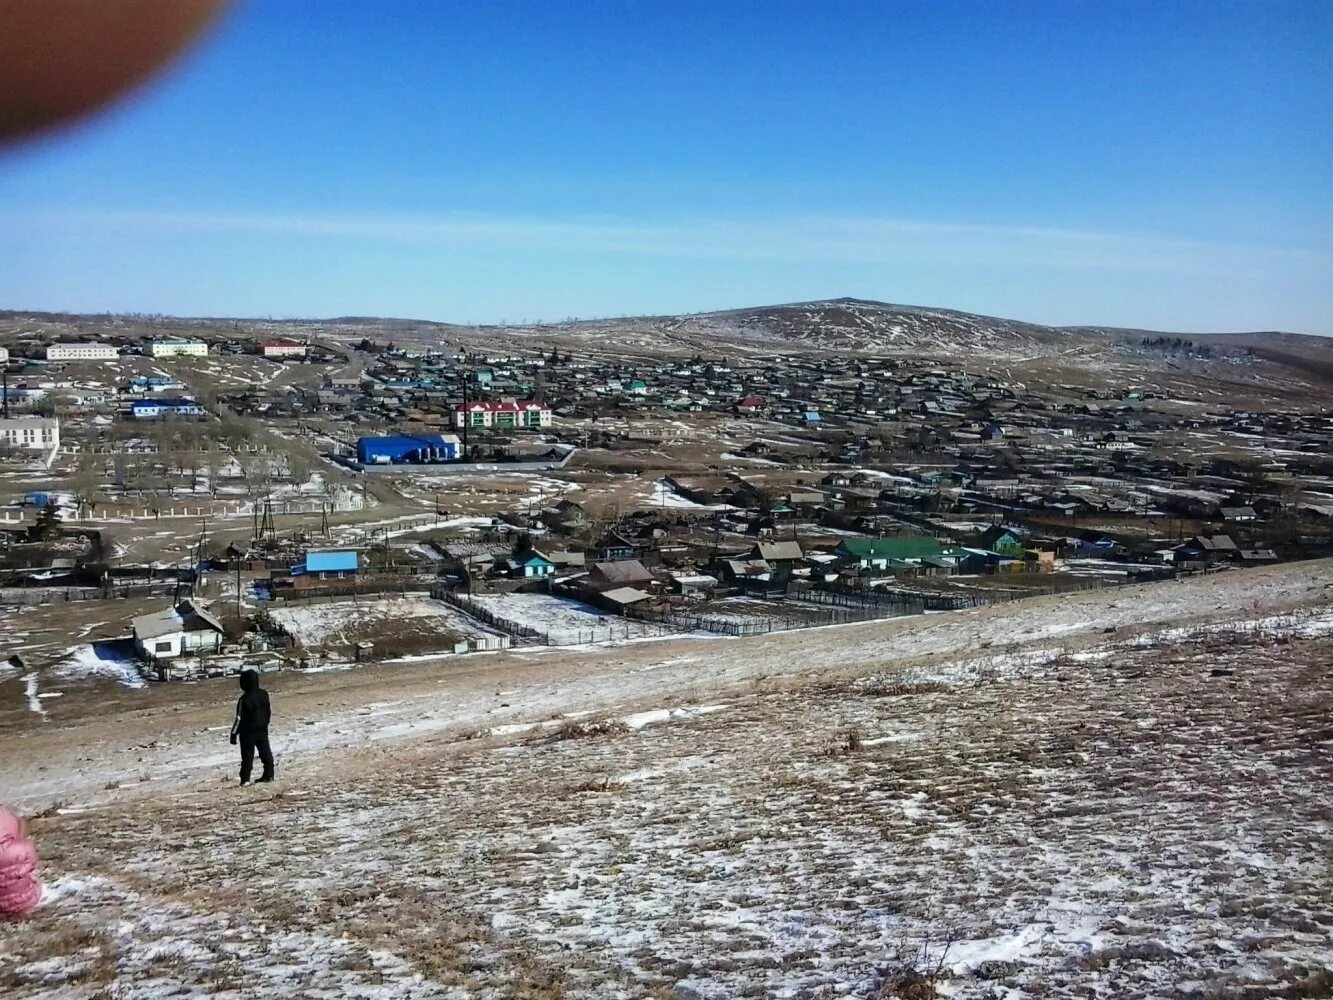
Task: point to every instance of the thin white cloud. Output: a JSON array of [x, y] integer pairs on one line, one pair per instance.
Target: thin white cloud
[[813, 237]]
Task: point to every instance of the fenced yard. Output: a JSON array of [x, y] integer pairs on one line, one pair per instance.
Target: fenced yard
[[741, 616], [398, 626], [553, 621]]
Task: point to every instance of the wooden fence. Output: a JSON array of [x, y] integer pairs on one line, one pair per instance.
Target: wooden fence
[[609, 629], [67, 595], [383, 587], [702, 622], [474, 610]]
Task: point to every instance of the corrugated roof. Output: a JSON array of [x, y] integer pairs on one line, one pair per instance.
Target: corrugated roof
[[780, 550], [330, 562], [171, 621], [904, 547], [625, 595], [623, 571]]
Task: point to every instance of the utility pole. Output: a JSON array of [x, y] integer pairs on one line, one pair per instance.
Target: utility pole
[[203, 538], [266, 526], [467, 417]]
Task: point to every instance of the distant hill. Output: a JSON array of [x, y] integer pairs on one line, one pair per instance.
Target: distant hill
[[844, 325]]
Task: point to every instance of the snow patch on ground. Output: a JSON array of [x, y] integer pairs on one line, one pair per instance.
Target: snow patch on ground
[[640, 719], [30, 692], [100, 660]]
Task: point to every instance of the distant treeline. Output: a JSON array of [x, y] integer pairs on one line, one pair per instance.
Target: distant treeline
[[1181, 345]]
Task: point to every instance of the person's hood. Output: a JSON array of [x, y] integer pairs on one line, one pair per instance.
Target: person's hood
[[249, 680]]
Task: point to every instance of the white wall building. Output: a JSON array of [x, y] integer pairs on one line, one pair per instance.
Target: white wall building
[[282, 349], [506, 414], [30, 433], [81, 352], [4, 355], [186, 628], [175, 347]]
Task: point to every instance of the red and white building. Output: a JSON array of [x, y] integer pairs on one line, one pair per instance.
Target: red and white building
[[282, 349], [506, 414]]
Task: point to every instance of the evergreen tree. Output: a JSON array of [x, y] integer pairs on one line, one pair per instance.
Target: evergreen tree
[[48, 522]]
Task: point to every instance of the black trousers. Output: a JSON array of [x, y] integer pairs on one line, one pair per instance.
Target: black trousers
[[250, 742]]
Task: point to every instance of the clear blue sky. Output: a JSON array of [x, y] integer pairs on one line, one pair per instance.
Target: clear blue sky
[[1156, 164]]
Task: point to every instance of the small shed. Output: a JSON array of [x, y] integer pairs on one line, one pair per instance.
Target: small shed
[[623, 597], [693, 584]]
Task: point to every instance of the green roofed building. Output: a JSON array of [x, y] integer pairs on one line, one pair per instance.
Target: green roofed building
[[883, 553]]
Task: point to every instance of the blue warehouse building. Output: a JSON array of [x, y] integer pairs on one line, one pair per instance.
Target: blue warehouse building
[[400, 449]]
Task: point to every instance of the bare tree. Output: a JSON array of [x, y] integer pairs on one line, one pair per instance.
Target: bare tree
[[213, 462], [300, 463], [86, 481]]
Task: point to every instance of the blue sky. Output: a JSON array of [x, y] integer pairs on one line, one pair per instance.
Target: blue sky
[[1165, 165]]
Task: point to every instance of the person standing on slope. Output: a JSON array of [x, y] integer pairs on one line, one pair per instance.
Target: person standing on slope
[[251, 727]]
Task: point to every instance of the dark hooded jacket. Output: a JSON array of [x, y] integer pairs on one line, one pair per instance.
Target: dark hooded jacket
[[252, 712]]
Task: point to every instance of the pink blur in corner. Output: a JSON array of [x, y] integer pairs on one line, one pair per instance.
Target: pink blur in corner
[[20, 890]]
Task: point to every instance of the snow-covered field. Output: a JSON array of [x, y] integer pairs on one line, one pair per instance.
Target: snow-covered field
[[114, 660], [563, 617], [339, 623], [662, 495]]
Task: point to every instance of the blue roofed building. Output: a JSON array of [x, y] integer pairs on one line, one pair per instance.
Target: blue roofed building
[[329, 564], [400, 449]]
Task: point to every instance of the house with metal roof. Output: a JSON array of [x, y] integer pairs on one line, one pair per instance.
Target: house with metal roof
[[184, 629], [606, 576], [329, 564], [883, 553], [530, 565], [1002, 540]]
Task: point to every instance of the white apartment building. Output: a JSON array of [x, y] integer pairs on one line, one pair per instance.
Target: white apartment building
[[30, 433], [504, 414], [4, 355], [176, 347], [81, 352]]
